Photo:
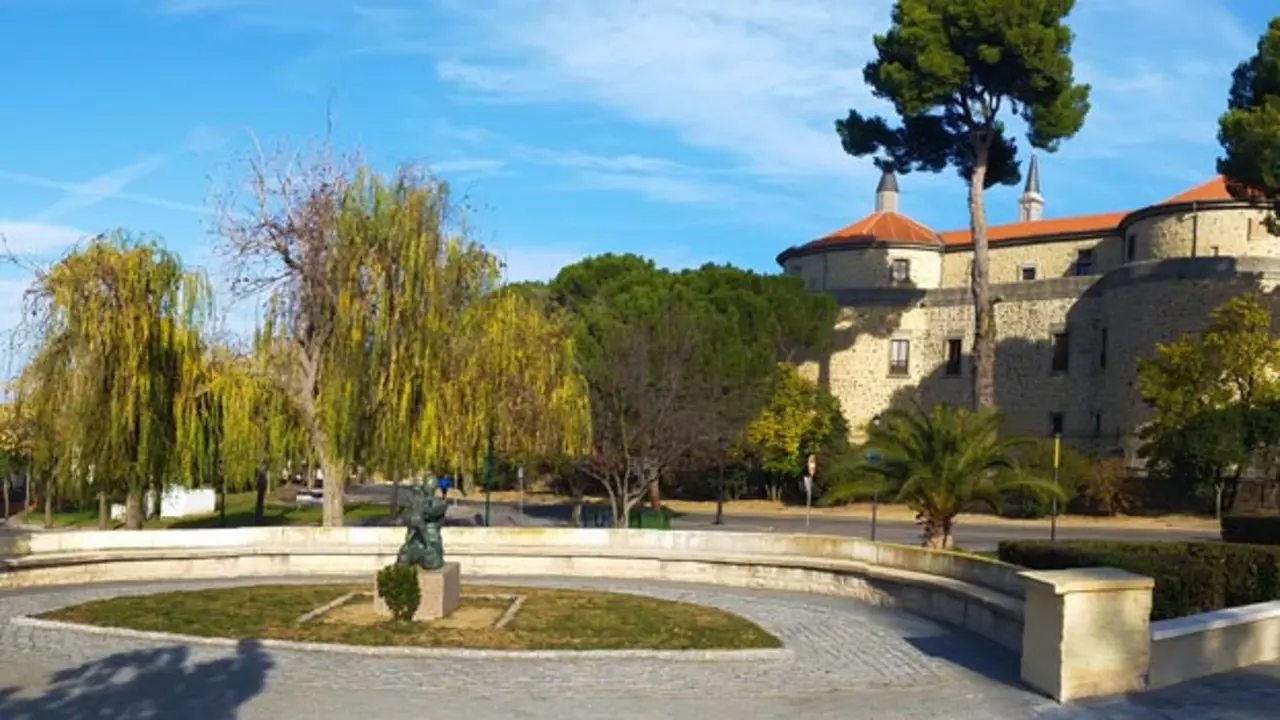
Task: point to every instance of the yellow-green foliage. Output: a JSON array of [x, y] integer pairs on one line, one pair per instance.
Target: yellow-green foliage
[[118, 338], [777, 435], [420, 354], [1235, 360]]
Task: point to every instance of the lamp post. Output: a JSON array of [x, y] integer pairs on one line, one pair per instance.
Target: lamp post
[[720, 488], [873, 457]]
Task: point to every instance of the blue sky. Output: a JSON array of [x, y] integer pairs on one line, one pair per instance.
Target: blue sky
[[686, 130]]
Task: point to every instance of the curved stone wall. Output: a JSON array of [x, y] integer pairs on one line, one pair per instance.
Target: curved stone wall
[[866, 267], [1146, 303], [980, 595], [1185, 231]]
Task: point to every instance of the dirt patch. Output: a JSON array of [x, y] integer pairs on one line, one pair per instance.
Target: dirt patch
[[470, 615]]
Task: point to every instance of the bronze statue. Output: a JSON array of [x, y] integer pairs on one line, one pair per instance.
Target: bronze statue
[[423, 547]]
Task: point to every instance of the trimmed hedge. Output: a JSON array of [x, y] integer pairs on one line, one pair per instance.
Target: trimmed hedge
[[1191, 577], [1252, 529]]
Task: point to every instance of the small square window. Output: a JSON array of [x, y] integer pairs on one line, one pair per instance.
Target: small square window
[[954, 356], [1061, 352], [900, 271], [1130, 248], [1056, 422], [1097, 424], [1084, 261], [1027, 273], [899, 357]]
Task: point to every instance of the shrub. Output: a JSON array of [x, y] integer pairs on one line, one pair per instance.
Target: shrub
[[1253, 529], [1191, 577], [398, 588], [1109, 488]]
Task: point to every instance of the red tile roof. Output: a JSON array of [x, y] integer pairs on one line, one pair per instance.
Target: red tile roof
[[892, 227], [884, 227]]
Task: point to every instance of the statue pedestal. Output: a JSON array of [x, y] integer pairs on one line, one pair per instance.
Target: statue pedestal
[[441, 592]]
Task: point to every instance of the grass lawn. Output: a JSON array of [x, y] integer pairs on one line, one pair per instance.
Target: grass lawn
[[239, 514], [548, 619]]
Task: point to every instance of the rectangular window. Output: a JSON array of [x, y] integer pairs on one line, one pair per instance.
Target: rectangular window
[[1084, 261], [1102, 349], [1097, 424], [1061, 352], [1056, 422], [1130, 248], [899, 356], [1027, 273], [954, 356], [900, 271]]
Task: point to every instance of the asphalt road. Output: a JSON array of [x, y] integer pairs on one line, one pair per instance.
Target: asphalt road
[[971, 536]]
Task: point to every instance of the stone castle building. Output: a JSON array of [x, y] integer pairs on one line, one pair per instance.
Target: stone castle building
[[1077, 301]]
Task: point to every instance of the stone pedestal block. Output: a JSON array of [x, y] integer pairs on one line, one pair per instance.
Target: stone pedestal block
[[1086, 632], [441, 592]]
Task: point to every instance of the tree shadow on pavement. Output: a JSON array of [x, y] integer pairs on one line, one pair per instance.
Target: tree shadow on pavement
[[146, 685]]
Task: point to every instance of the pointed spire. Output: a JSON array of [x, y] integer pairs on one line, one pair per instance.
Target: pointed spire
[[887, 192], [1033, 176], [1031, 203]]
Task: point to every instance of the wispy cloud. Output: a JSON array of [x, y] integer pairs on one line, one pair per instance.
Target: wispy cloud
[[759, 82], [107, 185], [25, 237], [95, 192]]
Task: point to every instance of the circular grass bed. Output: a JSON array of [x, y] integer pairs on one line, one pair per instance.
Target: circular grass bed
[[489, 618]]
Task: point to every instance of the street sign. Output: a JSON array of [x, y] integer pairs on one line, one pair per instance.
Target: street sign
[[808, 485], [873, 456], [813, 465]]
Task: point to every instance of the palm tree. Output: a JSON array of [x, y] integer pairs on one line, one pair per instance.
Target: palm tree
[[936, 462]]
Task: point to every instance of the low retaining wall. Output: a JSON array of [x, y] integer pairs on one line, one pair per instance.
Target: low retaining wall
[[980, 595], [1087, 631], [1213, 642]]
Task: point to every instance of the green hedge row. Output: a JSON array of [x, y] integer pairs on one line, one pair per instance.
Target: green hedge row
[[1254, 529], [1191, 577]]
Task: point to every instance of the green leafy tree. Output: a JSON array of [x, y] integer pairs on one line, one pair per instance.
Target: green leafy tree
[[1249, 130], [1201, 388], [937, 461], [677, 362], [950, 68], [794, 423]]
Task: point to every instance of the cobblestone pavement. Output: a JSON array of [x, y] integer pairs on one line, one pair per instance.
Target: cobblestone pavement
[[849, 661]]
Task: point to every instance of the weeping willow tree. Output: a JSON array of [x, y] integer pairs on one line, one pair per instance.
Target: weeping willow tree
[[378, 319], [247, 430], [116, 327], [522, 376]]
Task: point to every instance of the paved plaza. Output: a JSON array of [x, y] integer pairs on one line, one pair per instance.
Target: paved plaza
[[847, 660]]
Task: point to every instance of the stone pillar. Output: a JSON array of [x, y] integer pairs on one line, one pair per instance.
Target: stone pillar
[[1086, 632]]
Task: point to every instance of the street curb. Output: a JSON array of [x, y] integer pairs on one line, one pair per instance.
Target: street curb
[[765, 655]]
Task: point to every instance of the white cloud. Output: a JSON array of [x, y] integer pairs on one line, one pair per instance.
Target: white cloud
[[22, 237], [759, 81], [1160, 96]]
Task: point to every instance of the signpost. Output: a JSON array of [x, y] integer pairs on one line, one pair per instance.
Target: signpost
[[874, 457], [1053, 512], [808, 487]]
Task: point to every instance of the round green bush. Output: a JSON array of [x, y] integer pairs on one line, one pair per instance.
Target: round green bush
[[398, 587]]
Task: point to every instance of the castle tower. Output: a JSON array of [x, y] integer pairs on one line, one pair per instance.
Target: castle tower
[[1031, 203], [887, 193]]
